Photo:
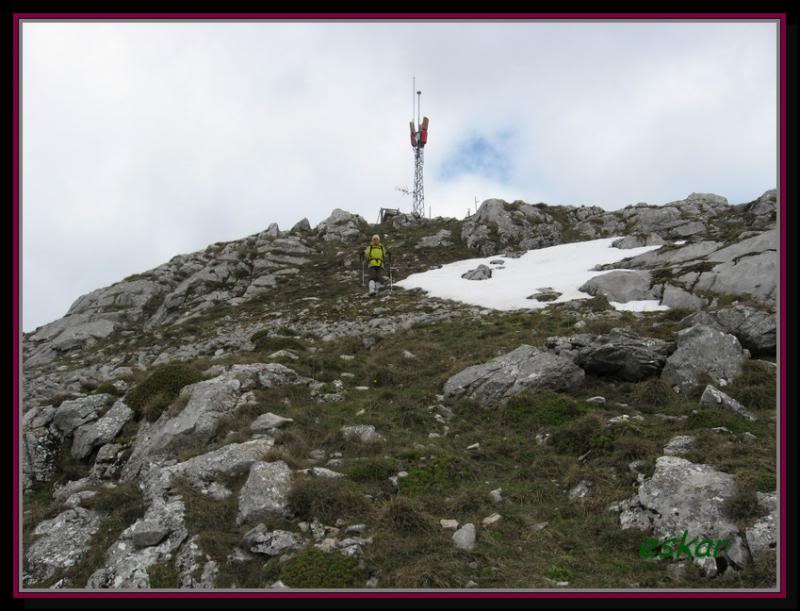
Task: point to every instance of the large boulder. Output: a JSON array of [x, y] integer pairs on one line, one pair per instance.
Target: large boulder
[[499, 224], [482, 272], [678, 298], [265, 492], [755, 329], [441, 238], [619, 353], [205, 472], [765, 206], [755, 275], [72, 414], [762, 535], [272, 543], [89, 436], [510, 374], [637, 241], [703, 350], [682, 496], [207, 402], [301, 226], [340, 226], [40, 443], [716, 398], [61, 543], [152, 539], [620, 286]]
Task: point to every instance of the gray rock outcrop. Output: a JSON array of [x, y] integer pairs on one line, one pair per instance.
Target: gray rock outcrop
[[619, 353], [716, 398], [620, 286], [510, 374], [684, 496], [340, 226], [89, 436], [482, 272], [265, 491], [762, 535], [703, 350], [61, 542]]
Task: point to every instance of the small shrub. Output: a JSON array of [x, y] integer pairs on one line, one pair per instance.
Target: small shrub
[[712, 417], [403, 515], [652, 392], [743, 505], [544, 407], [162, 575], [155, 393], [313, 568], [327, 499], [597, 304], [107, 388], [263, 341], [559, 573], [371, 469], [583, 435], [124, 499], [441, 474]]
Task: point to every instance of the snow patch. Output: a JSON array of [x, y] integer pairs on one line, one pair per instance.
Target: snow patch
[[645, 305], [564, 268]]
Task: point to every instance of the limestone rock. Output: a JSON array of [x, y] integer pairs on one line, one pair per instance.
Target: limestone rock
[[679, 445], [61, 542], [675, 297], [717, 398], [482, 272], [272, 543], [340, 226], [619, 353], [620, 286], [265, 491], [703, 350], [365, 433], [464, 537], [268, 422], [762, 535], [72, 414], [89, 436]]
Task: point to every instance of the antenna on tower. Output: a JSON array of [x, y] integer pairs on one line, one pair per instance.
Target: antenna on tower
[[419, 137]]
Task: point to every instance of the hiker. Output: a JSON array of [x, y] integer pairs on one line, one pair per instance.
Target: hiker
[[375, 255]]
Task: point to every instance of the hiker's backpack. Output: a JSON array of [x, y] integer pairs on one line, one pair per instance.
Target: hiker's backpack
[[375, 255]]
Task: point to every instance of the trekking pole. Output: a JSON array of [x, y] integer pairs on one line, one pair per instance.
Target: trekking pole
[[362, 269], [391, 284]]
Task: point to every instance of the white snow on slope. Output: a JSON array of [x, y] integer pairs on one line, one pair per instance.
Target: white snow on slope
[[564, 267]]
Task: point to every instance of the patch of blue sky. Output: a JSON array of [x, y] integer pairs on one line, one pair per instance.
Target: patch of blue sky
[[479, 155]]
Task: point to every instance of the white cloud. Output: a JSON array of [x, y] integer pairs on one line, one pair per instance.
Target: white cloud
[[142, 141]]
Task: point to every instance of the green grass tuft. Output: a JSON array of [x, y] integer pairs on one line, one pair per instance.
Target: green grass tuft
[[313, 568], [158, 390]]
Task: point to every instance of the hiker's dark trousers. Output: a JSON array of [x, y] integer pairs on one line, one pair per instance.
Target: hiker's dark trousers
[[375, 273]]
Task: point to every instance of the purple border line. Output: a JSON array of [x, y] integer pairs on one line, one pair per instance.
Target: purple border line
[[784, 312], [393, 16], [781, 17], [16, 293]]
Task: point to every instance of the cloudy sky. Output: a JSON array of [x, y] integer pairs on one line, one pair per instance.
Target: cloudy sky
[[145, 140]]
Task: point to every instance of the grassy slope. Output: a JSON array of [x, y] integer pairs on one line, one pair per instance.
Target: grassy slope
[[581, 542]]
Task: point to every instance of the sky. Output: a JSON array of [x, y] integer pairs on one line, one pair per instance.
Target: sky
[[141, 141]]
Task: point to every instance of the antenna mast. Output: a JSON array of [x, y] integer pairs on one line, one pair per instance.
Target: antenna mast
[[419, 137]]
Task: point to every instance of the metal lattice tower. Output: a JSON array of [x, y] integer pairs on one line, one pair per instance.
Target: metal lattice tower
[[418, 206], [419, 137]]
